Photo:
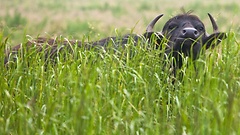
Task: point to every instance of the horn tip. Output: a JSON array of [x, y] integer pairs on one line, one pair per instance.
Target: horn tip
[[151, 25], [160, 15], [209, 15]]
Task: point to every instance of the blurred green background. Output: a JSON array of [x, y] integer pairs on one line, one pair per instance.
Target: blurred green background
[[101, 18]]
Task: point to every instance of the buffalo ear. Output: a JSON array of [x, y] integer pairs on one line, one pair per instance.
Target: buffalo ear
[[214, 39]]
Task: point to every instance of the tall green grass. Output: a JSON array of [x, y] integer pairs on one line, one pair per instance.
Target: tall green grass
[[109, 92]]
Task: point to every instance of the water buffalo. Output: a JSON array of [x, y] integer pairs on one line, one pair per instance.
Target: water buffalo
[[181, 36]]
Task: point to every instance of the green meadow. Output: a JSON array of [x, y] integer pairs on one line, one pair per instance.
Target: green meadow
[[114, 92]]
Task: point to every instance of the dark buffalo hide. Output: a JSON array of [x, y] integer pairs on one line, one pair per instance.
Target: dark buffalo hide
[[183, 35]]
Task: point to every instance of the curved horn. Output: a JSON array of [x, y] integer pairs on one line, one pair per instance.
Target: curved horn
[[151, 24], [214, 24]]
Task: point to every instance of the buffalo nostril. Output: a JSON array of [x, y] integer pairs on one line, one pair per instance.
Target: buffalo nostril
[[195, 32], [184, 31], [190, 32]]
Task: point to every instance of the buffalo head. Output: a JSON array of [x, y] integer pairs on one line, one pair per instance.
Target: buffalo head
[[185, 35]]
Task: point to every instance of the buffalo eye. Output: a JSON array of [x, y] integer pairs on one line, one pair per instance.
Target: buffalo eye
[[200, 28], [172, 26]]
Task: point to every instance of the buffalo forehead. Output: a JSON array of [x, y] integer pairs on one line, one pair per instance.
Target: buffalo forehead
[[182, 19], [186, 18]]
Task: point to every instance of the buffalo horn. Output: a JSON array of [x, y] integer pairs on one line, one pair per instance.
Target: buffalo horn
[[214, 24], [152, 23]]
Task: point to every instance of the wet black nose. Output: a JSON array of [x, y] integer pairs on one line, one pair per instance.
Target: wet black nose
[[190, 33]]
